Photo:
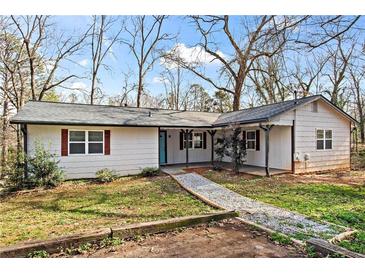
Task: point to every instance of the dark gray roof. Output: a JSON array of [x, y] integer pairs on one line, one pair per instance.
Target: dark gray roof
[[63, 113], [81, 114], [262, 113]]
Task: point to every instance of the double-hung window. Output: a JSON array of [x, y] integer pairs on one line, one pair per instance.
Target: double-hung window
[[195, 140], [324, 139], [190, 141], [86, 142], [251, 139], [198, 140]]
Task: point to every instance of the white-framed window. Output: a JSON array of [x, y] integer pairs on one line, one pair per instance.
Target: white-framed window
[[251, 139], [198, 140], [324, 139], [86, 141], [195, 140], [190, 141]]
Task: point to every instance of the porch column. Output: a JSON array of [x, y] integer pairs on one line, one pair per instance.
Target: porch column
[[212, 133], [186, 133], [24, 130], [267, 147]]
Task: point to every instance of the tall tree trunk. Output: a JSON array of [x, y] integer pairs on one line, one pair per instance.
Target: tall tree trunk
[[4, 139], [362, 130], [93, 89], [140, 88], [237, 96]]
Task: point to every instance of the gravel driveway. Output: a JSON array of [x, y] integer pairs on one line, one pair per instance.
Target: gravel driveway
[[287, 222]]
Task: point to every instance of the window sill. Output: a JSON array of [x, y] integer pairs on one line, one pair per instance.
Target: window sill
[[89, 154]]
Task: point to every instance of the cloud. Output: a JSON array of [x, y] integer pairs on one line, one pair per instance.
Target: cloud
[[49, 64], [83, 62], [79, 86], [159, 80], [192, 55]]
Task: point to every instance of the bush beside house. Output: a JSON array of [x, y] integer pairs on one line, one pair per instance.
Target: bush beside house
[[38, 170]]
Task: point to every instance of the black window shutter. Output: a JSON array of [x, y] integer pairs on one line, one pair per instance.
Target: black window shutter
[[257, 139], [181, 141], [244, 137], [204, 140]]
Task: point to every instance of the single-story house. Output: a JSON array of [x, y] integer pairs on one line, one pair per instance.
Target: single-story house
[[303, 135]]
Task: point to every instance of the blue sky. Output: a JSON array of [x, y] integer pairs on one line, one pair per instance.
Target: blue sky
[[120, 60]]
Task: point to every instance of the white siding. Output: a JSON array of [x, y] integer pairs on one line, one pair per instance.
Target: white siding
[[131, 149], [177, 156], [284, 119], [280, 148], [307, 122]]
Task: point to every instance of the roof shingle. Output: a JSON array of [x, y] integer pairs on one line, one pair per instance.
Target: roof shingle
[[35, 112]]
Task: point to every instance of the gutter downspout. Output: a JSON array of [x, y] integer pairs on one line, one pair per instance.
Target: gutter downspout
[[24, 130], [351, 133]]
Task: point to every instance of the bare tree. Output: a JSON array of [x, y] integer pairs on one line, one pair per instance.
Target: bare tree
[[307, 74], [172, 80], [357, 77], [270, 78], [124, 99], [145, 35], [245, 49], [38, 41], [200, 99], [13, 87], [101, 45], [339, 60], [322, 30]]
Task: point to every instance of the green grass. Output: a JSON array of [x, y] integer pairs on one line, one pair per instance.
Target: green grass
[[357, 243], [336, 203], [281, 239], [76, 207]]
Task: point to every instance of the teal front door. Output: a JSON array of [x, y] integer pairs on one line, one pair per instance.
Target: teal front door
[[163, 148]]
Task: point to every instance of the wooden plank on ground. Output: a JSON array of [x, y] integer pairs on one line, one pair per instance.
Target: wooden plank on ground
[[127, 231], [326, 248]]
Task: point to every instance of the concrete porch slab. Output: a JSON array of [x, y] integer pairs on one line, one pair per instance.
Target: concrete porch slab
[[248, 169]]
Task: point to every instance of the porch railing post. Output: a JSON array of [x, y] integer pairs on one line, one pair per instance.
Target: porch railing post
[[187, 133], [267, 147], [187, 146], [212, 133]]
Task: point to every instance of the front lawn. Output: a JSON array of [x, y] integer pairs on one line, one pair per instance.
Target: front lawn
[[78, 206], [334, 202]]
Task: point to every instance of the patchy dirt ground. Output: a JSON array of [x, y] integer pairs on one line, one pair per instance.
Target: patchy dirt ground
[[353, 177], [230, 238]]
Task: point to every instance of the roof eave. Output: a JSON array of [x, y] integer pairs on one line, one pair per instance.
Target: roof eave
[[252, 121], [52, 123]]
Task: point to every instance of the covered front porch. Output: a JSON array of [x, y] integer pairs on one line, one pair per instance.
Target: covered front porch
[[247, 169], [269, 148]]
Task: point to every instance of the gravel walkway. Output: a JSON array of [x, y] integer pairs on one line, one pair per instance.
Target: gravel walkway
[[287, 222]]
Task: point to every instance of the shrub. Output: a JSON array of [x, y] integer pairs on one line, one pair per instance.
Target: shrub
[[233, 147], [281, 239], [43, 169], [106, 175], [150, 171], [14, 170], [38, 254]]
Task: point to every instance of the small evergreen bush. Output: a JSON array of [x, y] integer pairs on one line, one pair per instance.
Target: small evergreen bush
[[106, 175], [43, 169], [150, 171], [14, 170]]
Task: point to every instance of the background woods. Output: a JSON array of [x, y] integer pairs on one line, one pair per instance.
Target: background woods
[[201, 63]]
